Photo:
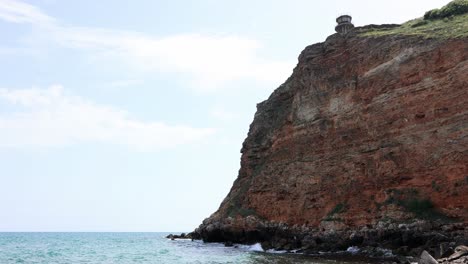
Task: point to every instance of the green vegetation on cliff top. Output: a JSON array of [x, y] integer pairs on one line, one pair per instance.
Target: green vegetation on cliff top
[[450, 21], [456, 7]]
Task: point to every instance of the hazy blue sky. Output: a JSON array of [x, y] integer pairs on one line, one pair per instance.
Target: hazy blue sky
[[129, 115]]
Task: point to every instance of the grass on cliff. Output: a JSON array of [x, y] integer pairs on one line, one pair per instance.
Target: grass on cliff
[[233, 211], [422, 208], [457, 7], [339, 208], [450, 21]]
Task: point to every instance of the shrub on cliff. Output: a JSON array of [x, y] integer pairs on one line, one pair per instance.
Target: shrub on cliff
[[456, 7]]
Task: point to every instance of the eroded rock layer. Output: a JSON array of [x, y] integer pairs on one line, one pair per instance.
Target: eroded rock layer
[[369, 133]]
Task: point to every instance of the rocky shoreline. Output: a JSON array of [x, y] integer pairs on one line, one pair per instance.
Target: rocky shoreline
[[385, 239]]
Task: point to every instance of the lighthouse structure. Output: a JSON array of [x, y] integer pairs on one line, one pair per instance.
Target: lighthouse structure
[[344, 24]]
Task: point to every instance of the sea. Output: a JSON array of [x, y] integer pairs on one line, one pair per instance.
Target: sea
[[93, 248]]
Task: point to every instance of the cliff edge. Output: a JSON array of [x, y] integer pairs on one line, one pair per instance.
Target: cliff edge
[[366, 144]]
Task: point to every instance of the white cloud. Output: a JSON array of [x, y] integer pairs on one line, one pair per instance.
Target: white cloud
[[50, 117], [209, 60], [19, 12], [125, 83], [223, 114]]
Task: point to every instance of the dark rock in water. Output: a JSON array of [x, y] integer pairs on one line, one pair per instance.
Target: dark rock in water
[[403, 260], [228, 244], [194, 235], [181, 236]]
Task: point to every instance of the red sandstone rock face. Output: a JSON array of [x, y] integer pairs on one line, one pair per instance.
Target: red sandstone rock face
[[365, 129]]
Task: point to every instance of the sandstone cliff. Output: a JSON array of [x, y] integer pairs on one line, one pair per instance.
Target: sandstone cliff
[[365, 144]]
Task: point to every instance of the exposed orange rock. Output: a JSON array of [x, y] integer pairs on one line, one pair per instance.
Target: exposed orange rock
[[367, 130]]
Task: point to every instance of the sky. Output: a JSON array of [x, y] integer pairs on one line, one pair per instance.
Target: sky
[[130, 115]]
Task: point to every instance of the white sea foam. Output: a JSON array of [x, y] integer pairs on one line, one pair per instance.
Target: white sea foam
[[272, 251], [256, 247], [386, 252], [353, 250]]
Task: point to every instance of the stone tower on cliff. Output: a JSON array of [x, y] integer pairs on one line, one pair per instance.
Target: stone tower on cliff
[[344, 24]]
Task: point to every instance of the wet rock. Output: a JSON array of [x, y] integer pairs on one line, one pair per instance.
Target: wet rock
[[228, 244], [308, 242], [445, 250], [266, 245], [181, 236], [194, 235], [460, 256], [460, 251], [403, 260]]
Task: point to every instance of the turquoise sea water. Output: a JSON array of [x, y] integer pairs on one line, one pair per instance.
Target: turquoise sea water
[[95, 248]]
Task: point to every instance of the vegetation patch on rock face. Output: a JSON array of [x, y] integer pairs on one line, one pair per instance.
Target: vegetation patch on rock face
[[236, 207], [451, 21], [244, 212], [454, 8], [410, 200], [339, 208]]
